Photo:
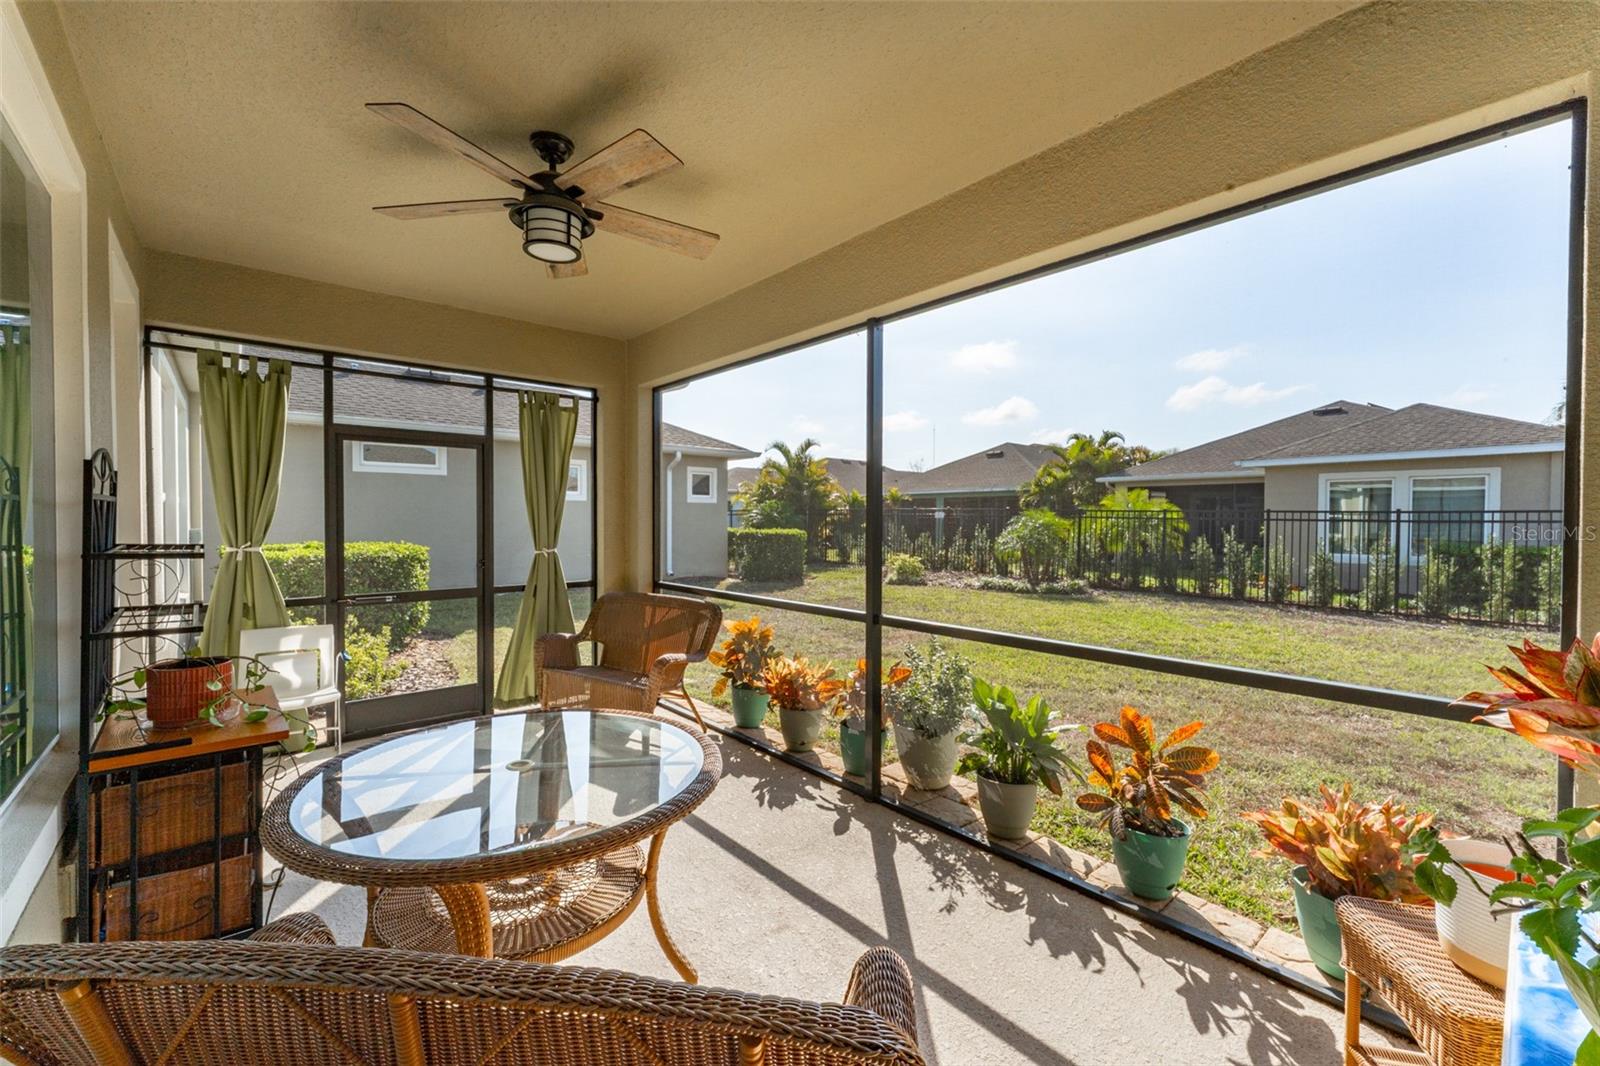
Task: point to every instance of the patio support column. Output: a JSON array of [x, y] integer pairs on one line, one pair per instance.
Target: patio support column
[[874, 557]]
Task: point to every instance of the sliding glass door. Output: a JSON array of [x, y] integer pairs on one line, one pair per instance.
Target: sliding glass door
[[409, 576]]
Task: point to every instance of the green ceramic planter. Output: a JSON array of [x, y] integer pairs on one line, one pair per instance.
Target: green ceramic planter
[[928, 762], [853, 749], [800, 728], [749, 707], [1318, 926], [1151, 866]]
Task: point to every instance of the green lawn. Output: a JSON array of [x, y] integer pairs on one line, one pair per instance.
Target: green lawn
[[1477, 780]]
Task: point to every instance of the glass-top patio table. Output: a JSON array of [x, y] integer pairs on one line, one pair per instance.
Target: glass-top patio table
[[513, 834]]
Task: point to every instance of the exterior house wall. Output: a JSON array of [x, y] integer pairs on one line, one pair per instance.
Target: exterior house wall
[[375, 510], [1528, 482], [699, 540]]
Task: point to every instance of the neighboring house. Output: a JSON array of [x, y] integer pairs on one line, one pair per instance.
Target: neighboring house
[[994, 475], [379, 476], [1354, 459], [695, 483]]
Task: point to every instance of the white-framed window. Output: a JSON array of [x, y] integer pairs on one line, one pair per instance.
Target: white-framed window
[[702, 481], [578, 479], [1440, 507], [379, 457]]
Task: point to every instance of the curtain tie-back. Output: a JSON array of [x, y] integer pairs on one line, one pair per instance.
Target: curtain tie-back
[[546, 551], [242, 548]]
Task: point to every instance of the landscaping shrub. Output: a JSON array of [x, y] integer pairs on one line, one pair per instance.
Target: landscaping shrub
[[1033, 541], [1235, 564], [1322, 579], [1377, 589], [1203, 566], [370, 566], [1436, 581], [1550, 587], [1279, 574], [368, 667], [902, 569], [1044, 588], [768, 554]]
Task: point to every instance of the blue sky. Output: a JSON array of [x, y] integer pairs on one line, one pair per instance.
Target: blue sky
[[1442, 283]]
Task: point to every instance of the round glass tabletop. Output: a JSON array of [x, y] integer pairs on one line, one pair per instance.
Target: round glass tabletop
[[491, 785]]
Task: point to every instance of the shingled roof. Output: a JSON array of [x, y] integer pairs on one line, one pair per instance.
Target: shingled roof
[[1421, 429], [1002, 468], [413, 402], [1220, 458]]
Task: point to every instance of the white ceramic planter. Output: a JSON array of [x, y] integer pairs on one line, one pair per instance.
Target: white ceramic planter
[[1472, 937], [929, 762]]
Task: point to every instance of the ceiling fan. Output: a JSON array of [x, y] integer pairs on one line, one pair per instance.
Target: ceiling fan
[[558, 212]]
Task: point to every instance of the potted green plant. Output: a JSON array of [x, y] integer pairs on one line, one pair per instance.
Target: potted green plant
[[1342, 848], [1012, 755], [179, 692], [741, 658], [851, 713], [1135, 802], [928, 712], [801, 691]]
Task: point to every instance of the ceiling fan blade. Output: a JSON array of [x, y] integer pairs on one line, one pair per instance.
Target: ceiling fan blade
[[446, 207], [575, 269], [618, 165], [429, 130], [673, 236]]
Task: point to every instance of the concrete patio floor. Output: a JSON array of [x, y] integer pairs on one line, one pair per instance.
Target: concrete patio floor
[[781, 879]]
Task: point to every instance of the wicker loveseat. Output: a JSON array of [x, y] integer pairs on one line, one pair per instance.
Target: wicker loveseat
[[298, 999]]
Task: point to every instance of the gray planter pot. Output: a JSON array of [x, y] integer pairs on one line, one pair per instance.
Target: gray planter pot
[[928, 762], [1007, 809], [800, 728]]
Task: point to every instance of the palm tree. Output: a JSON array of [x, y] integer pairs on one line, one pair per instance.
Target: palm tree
[[792, 490], [1069, 482]]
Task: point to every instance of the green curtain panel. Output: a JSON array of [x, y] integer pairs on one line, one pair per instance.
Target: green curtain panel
[[242, 415], [16, 450], [548, 424]]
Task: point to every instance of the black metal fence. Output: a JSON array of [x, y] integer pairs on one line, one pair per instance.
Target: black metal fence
[[1479, 566]]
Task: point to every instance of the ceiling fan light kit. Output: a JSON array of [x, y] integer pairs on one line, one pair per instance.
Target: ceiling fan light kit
[[557, 212]]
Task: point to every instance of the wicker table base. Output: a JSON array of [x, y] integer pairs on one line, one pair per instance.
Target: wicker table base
[[544, 917]]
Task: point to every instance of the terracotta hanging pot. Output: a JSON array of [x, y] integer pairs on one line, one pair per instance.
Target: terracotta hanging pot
[[177, 689]]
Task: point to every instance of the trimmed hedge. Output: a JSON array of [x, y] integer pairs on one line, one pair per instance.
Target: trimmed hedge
[[370, 565], [768, 554]]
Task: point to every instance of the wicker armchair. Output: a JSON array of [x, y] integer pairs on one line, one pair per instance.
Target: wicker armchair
[[646, 643], [298, 999]]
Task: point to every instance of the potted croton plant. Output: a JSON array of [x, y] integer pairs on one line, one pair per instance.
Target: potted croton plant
[[1553, 703], [929, 710], [801, 691], [1136, 802], [741, 658], [851, 712], [1342, 848], [1012, 755]]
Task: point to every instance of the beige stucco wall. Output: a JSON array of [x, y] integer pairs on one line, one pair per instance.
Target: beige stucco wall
[[1361, 87], [198, 294], [1527, 482], [44, 102], [699, 527]]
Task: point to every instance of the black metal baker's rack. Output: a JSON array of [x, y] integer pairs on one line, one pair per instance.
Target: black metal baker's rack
[[182, 815]]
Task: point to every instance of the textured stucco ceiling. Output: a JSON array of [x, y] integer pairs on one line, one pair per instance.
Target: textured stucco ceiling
[[237, 133]]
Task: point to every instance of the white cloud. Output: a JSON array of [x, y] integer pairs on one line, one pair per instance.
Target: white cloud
[[903, 421], [984, 358], [1212, 390], [806, 427], [1015, 409], [1209, 360]]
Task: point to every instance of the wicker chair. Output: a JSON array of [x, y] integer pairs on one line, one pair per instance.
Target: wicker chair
[[301, 1000], [646, 642]]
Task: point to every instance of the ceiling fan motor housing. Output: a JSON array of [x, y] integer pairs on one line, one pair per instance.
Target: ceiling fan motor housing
[[554, 148]]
